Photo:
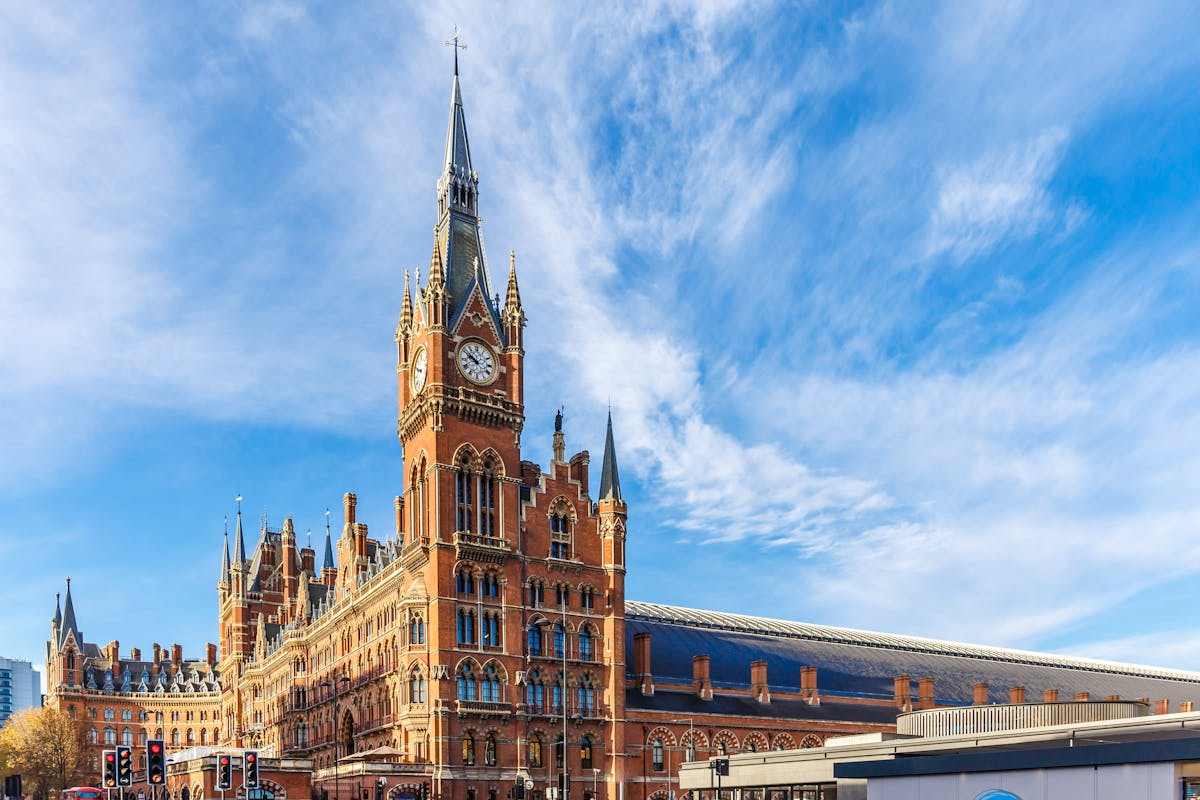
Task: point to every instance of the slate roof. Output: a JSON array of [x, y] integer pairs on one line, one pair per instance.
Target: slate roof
[[862, 664]]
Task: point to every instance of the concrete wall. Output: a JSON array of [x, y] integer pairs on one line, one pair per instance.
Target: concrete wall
[[1118, 782]]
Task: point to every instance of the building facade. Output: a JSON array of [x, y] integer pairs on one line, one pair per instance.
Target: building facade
[[486, 639], [20, 687]]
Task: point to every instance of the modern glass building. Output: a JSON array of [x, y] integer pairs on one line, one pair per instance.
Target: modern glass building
[[20, 687]]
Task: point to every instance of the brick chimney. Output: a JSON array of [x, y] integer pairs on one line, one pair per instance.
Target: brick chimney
[[157, 656], [702, 677], [578, 469], [113, 654], [1112, 698], [981, 694], [1050, 696], [349, 501], [925, 697], [1162, 706], [758, 681], [135, 654], [308, 560], [360, 539], [1016, 695], [1083, 697], [902, 692], [808, 686], [177, 655], [1145, 700], [641, 662], [210, 654], [400, 518], [1185, 706]]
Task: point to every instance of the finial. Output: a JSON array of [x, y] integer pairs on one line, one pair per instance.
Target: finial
[[558, 420], [238, 500], [226, 524], [308, 538], [327, 520], [453, 42], [68, 583]]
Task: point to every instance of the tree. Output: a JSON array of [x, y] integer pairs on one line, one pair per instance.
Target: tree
[[46, 747]]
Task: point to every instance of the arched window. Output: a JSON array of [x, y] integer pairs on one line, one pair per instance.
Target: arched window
[[536, 594], [490, 632], [491, 684], [416, 630], [490, 585], [71, 659], [126, 715], [464, 581], [585, 644], [585, 752], [535, 692], [416, 688], [535, 640], [108, 713], [92, 736], [489, 750], [587, 598], [558, 696], [468, 749], [191, 737], [487, 500], [127, 737], [560, 640], [722, 748], [466, 626], [535, 750], [656, 750], [203, 736], [175, 738], [560, 534], [110, 736], [586, 696], [464, 505], [690, 753], [467, 685]]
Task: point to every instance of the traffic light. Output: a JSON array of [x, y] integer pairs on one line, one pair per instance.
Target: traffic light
[[156, 762], [250, 769], [380, 786], [224, 771], [124, 765], [110, 769], [424, 790], [721, 765], [518, 790]]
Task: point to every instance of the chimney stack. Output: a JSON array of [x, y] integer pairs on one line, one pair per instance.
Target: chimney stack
[[702, 677], [1016, 695], [135, 654], [1083, 697], [113, 654], [177, 655], [641, 662], [1185, 706], [157, 657], [349, 501], [925, 697], [809, 692], [1050, 696], [981, 694], [210, 654], [902, 692], [758, 681], [1162, 706], [400, 518]]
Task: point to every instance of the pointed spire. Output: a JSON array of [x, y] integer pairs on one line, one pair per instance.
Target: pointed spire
[[225, 556], [57, 610], [458, 151], [406, 307], [328, 563], [68, 619], [239, 543], [513, 296], [610, 481], [437, 272]]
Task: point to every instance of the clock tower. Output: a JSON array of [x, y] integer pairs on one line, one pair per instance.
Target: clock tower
[[513, 578]]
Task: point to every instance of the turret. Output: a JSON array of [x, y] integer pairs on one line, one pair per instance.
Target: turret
[[611, 507]]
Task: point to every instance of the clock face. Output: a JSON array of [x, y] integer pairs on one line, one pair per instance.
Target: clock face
[[476, 362], [420, 369]]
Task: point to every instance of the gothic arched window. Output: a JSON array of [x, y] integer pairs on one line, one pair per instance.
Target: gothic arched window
[[466, 626], [464, 505], [467, 685], [585, 752], [560, 533], [489, 750], [535, 640], [416, 630], [585, 643], [656, 750], [535, 750], [491, 684], [468, 749], [416, 688], [586, 696], [535, 692], [487, 500]]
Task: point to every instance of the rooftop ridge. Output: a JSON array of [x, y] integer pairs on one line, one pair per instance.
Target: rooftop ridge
[[742, 623]]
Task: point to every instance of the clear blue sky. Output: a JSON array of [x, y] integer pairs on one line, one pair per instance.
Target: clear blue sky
[[897, 305]]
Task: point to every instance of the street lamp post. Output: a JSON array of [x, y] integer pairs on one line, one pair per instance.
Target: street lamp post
[[337, 775]]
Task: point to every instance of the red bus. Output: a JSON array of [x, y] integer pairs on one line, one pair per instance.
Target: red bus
[[81, 793]]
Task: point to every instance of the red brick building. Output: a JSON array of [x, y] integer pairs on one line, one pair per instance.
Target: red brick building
[[493, 614]]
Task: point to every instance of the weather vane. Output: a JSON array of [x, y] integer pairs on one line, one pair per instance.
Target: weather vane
[[453, 42]]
